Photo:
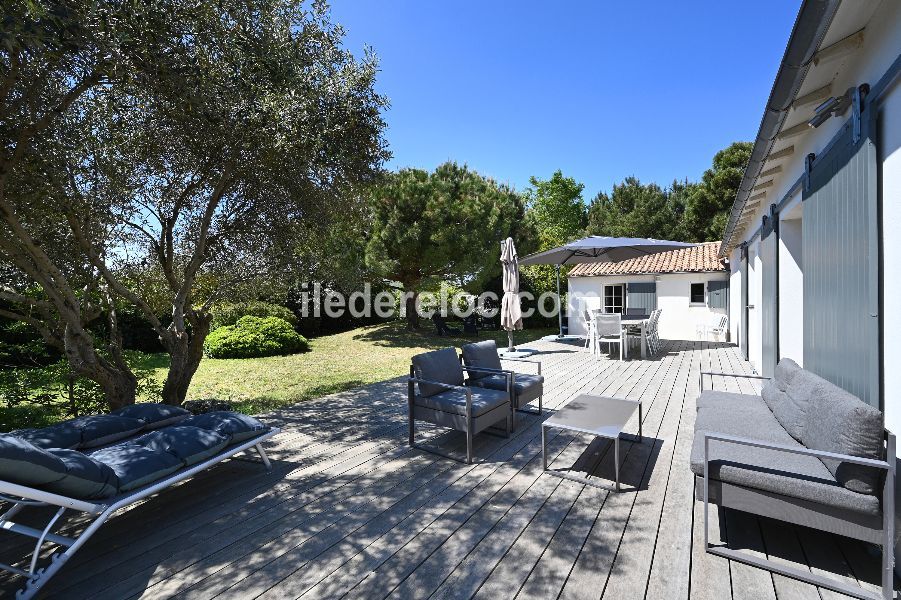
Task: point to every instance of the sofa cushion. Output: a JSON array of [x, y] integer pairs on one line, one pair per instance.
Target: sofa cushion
[[842, 423], [189, 444], [24, 463], [728, 400], [785, 372], [85, 477], [481, 354], [790, 411], [59, 435], [233, 426], [454, 401], [794, 475], [100, 430], [136, 465], [442, 366], [153, 414], [525, 387]]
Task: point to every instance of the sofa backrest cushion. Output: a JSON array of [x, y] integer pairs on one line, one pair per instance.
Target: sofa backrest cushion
[[136, 465], [100, 430], [233, 426], [785, 373], [153, 414], [789, 410], [59, 435], [189, 444], [85, 477], [481, 354], [839, 422], [24, 463], [442, 366]]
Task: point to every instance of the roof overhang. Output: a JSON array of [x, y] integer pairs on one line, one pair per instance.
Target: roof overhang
[[825, 32]]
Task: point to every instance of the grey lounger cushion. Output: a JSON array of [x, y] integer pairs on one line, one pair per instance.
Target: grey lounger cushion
[[525, 387], [481, 354], [233, 426], [24, 463], [442, 366], [189, 444], [842, 423], [454, 401], [85, 477], [153, 414], [794, 475], [60, 435], [136, 465], [100, 430]]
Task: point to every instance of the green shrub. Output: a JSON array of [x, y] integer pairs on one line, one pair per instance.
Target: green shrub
[[253, 337], [228, 314]]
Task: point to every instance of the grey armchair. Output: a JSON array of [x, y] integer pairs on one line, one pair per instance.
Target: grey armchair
[[483, 361], [436, 394]]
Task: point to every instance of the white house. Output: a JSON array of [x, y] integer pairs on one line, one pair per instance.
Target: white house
[[815, 263], [689, 285]]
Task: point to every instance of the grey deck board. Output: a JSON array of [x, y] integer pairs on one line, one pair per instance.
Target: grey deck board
[[351, 511]]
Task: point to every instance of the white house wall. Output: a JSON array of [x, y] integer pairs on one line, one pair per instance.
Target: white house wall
[[678, 320], [867, 65]]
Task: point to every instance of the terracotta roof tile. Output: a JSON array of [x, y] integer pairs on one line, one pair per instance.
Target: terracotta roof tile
[[702, 257]]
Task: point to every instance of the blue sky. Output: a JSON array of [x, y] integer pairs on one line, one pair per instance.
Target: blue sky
[[601, 90]]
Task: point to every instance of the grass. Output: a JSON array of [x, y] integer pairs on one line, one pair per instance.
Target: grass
[[335, 363]]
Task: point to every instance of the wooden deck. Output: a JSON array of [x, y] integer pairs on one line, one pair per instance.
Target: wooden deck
[[350, 511]]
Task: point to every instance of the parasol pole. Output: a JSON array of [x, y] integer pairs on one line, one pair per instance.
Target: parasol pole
[[559, 302]]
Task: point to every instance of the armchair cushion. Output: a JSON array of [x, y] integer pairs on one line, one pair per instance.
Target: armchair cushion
[[442, 366], [454, 401], [481, 354], [840, 422], [525, 387]]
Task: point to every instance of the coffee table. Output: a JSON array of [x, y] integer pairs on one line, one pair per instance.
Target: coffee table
[[598, 415]]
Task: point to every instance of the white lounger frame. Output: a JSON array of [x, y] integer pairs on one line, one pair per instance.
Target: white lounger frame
[[22, 496]]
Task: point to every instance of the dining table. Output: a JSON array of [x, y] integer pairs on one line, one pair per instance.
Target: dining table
[[639, 322]]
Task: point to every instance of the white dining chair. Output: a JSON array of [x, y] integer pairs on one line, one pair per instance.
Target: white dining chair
[[608, 328]]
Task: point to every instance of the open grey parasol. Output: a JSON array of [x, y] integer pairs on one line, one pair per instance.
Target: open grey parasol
[[598, 248]]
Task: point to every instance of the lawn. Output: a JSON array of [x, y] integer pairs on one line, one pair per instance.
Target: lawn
[[336, 362]]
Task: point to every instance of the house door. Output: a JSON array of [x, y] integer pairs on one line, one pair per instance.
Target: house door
[[769, 298], [745, 300], [840, 245]]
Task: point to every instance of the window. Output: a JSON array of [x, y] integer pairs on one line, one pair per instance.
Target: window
[[613, 298], [697, 293]]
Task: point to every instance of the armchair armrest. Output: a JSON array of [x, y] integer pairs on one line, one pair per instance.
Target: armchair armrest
[[731, 439], [525, 360], [735, 375]]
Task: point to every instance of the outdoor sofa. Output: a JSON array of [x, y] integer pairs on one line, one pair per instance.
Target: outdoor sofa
[[99, 464], [804, 451], [437, 393]]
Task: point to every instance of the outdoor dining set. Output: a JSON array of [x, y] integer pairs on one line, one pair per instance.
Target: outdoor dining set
[[615, 328]]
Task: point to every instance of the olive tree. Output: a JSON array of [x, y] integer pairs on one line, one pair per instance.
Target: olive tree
[[173, 143]]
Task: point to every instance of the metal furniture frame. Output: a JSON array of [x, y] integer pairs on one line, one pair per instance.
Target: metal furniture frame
[[466, 423], [21, 497], [803, 512], [614, 436]]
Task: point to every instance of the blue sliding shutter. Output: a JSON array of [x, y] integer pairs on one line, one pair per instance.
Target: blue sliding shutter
[[641, 297], [769, 310], [718, 294], [841, 263]]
